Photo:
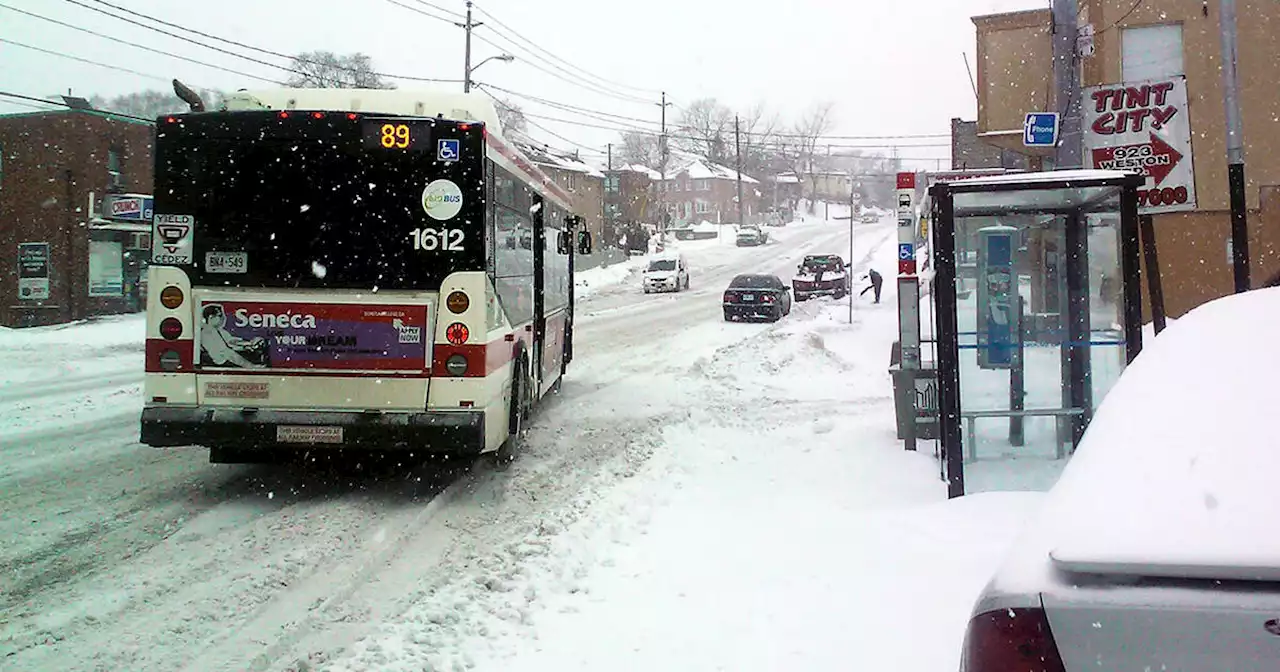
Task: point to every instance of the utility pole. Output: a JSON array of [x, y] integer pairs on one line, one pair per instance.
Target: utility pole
[[466, 73], [848, 273], [662, 168], [1066, 76], [1235, 148], [826, 215], [612, 197], [737, 144]]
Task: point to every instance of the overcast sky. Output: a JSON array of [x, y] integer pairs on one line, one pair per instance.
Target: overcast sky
[[890, 68]]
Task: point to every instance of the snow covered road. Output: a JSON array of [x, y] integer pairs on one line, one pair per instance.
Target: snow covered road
[[119, 556], [729, 486]]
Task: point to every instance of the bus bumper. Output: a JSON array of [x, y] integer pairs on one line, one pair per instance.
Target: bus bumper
[[442, 432]]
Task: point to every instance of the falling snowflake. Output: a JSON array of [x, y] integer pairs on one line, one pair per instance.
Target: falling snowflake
[[318, 270]]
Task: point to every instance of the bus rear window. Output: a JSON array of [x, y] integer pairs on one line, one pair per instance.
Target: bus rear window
[[309, 202]]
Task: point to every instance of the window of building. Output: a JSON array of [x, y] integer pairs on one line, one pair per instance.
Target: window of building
[[1151, 52], [611, 184], [702, 185], [703, 207], [113, 168]]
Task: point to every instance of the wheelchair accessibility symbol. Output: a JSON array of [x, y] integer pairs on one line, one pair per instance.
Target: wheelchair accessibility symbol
[[447, 150], [906, 252]]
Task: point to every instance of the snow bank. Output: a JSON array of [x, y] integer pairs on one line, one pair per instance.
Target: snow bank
[[595, 279], [45, 353]]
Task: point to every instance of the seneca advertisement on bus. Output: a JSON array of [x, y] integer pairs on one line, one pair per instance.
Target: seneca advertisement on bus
[[246, 335]]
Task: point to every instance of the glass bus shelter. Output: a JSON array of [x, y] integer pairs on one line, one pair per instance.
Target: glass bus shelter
[[1038, 309]]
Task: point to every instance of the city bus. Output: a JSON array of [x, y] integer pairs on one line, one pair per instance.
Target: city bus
[[352, 269]]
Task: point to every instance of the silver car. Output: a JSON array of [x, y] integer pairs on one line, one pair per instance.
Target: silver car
[[1156, 549]]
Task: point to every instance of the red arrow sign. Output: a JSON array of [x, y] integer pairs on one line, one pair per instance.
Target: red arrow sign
[[1155, 158]]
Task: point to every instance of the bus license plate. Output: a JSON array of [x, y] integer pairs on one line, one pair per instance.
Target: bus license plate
[[226, 262], [748, 297], [306, 434]]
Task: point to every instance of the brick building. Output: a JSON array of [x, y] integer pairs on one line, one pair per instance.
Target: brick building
[[584, 183], [57, 261], [630, 200], [1157, 40], [968, 151], [698, 190]]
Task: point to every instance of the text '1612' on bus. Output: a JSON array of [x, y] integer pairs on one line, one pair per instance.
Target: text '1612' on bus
[[364, 268]]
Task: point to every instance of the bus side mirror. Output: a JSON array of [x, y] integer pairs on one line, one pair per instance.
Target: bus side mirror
[[562, 243], [584, 242]]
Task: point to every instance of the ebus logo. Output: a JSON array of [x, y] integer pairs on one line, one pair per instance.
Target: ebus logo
[[442, 199]]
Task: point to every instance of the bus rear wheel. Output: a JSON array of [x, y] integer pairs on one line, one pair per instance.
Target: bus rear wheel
[[519, 413]]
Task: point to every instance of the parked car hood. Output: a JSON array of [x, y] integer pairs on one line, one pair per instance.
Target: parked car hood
[[1175, 476]]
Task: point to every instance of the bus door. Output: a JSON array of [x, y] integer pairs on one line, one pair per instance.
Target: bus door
[[539, 288]]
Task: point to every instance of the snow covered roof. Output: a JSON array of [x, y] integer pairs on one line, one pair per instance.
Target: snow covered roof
[[643, 170], [699, 168], [544, 157], [786, 178]]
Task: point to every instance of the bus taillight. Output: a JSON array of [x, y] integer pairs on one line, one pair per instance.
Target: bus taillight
[[171, 297], [458, 302], [457, 333], [170, 328]]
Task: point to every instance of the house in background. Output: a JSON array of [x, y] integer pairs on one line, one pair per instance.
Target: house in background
[[698, 190], [629, 203], [584, 183], [782, 192], [58, 262]]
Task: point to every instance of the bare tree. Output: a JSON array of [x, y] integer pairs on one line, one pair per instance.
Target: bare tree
[[327, 70], [814, 124], [641, 148], [152, 103], [705, 127], [514, 124], [758, 129]]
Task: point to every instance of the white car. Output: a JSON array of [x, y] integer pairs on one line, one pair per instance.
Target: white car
[[1156, 549], [751, 236], [666, 273]]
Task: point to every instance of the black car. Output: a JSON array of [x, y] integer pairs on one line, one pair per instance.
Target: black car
[[757, 296]]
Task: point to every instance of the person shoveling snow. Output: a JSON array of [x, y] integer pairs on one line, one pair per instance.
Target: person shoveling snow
[[876, 281]]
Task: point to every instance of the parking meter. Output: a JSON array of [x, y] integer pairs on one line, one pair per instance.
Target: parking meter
[[999, 316]]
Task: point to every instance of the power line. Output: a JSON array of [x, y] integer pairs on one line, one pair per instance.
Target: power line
[[768, 140], [137, 46], [568, 107], [84, 60], [580, 82], [438, 8], [260, 50], [187, 39], [600, 113], [533, 44], [411, 8]]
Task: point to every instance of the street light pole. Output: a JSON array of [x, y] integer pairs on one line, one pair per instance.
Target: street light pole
[[662, 168], [466, 73]]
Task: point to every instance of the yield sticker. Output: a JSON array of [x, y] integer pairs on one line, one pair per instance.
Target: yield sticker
[[442, 199], [171, 242]]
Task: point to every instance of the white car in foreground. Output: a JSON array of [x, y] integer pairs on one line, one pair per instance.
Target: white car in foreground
[[1157, 549]]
